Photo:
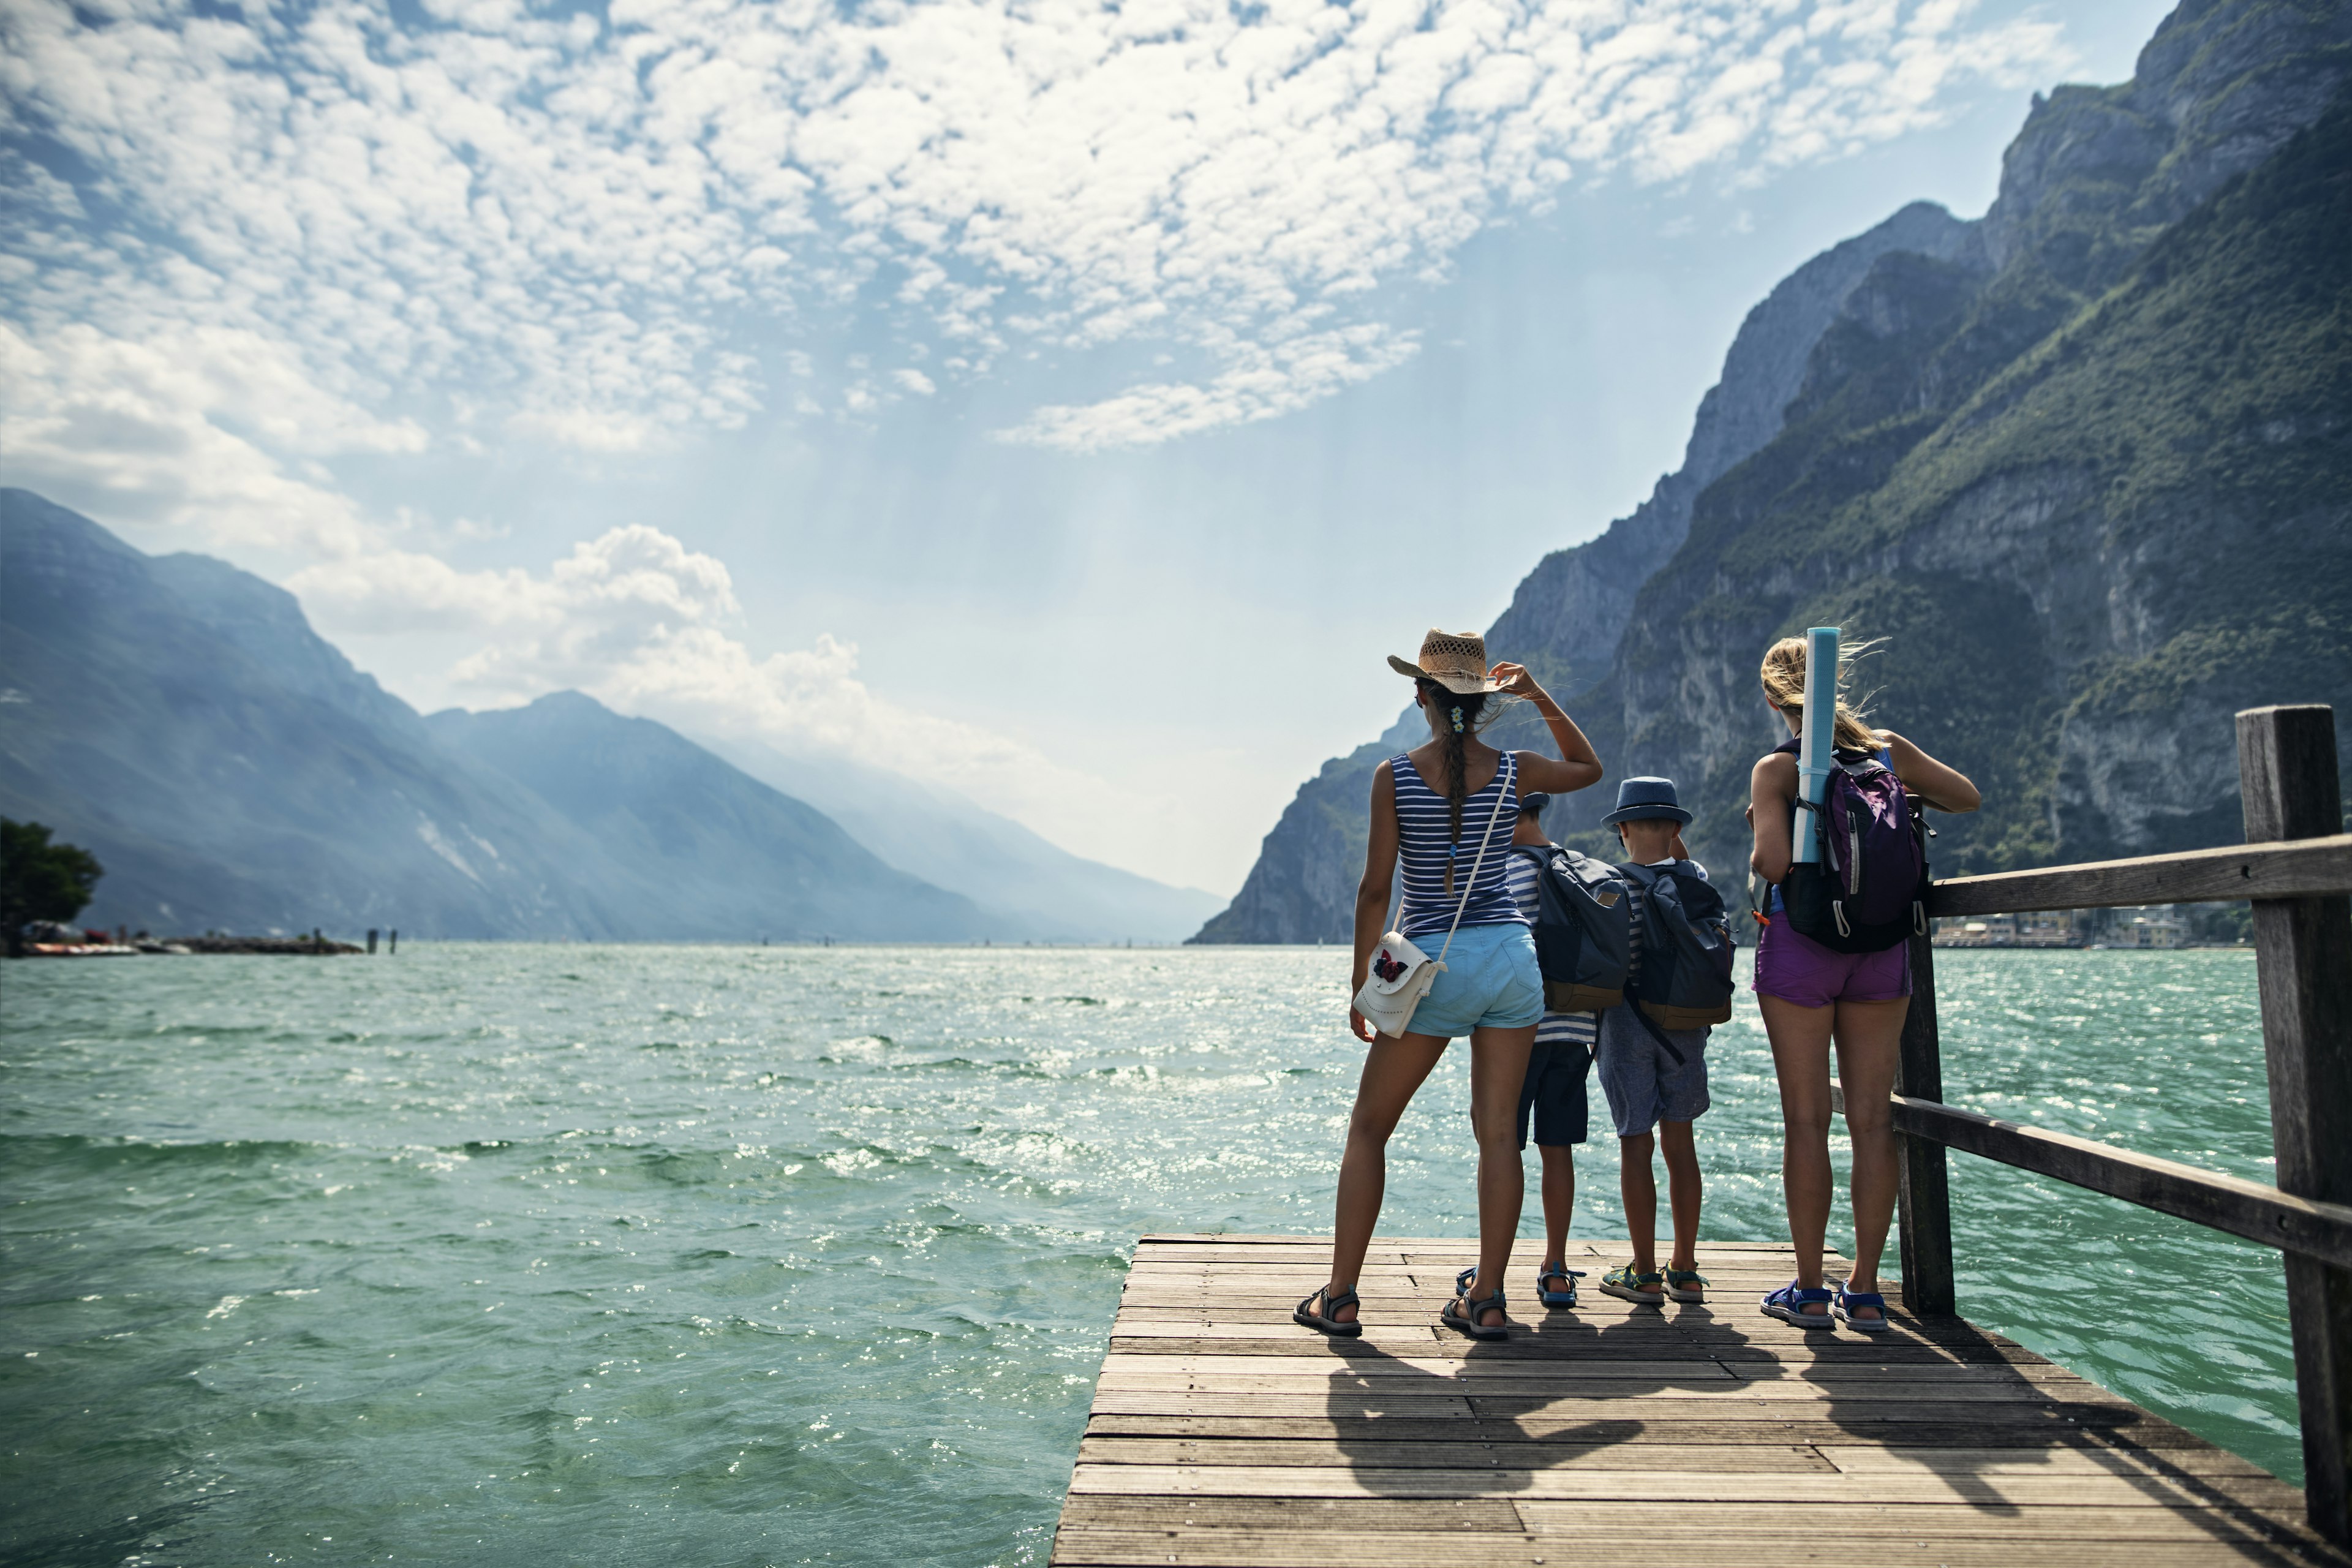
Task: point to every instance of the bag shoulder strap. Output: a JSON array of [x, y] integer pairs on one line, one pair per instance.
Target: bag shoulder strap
[[1502, 797]]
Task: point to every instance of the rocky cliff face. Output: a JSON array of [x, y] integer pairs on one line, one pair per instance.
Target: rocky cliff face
[[2083, 464]]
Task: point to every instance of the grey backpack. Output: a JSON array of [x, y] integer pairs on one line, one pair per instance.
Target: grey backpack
[[1583, 929]]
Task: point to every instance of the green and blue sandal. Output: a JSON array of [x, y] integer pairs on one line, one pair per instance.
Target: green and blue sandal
[[1685, 1284], [1625, 1283]]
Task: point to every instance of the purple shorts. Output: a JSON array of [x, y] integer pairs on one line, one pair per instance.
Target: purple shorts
[[1795, 968]]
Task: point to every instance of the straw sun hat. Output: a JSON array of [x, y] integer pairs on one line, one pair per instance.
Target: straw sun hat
[[1455, 660]]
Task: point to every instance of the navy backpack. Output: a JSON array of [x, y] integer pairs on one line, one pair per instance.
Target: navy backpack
[[1583, 929]]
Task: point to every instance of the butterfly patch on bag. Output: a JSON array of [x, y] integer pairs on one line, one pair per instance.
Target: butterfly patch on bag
[[1386, 965]]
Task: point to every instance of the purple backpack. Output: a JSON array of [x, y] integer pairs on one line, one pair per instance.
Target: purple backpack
[[1868, 890]]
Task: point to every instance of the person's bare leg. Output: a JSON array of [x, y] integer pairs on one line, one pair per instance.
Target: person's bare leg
[[1868, 1034], [1559, 1198], [1682, 1189], [1800, 1061], [1637, 1185], [1393, 1069], [1498, 1069]]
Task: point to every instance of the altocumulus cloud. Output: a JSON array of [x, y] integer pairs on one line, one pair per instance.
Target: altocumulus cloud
[[486, 218]]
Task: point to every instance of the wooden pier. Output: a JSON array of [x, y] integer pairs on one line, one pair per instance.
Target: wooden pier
[[1223, 1434]]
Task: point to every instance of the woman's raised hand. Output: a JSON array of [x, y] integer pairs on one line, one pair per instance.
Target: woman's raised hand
[[1515, 680]]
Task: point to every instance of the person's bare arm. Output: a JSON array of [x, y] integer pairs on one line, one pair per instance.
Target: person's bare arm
[[1771, 801], [1944, 787], [1372, 892], [1576, 767]]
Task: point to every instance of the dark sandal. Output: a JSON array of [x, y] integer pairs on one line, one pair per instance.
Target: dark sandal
[[1347, 1328], [1462, 1314]]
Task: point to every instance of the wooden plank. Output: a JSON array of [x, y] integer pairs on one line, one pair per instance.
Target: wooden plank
[[1460, 1454], [1602, 1521], [2317, 866], [1923, 1195], [1327, 1367], [2302, 947], [1110, 1511], [1288, 1548], [1924, 1426], [1244, 1339], [1597, 1401], [1934, 1522], [1869, 1458], [2072, 1490]]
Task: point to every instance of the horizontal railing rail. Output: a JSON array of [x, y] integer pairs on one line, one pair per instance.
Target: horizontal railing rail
[[2300, 868], [2255, 1210]]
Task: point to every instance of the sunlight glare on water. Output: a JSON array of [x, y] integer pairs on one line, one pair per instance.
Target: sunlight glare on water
[[604, 1255]]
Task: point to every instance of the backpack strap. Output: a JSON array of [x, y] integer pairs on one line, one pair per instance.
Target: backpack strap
[[1649, 877]]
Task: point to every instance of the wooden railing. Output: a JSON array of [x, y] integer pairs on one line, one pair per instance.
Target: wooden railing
[[2296, 867]]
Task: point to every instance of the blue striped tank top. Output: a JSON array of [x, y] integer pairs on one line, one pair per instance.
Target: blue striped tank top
[[1424, 824]]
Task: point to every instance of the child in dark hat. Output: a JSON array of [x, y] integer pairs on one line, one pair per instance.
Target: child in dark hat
[[1646, 1088]]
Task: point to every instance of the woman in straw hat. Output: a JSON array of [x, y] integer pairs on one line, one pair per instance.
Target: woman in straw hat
[[1434, 809]]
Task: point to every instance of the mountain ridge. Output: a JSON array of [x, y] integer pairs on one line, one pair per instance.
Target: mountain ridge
[[231, 768]]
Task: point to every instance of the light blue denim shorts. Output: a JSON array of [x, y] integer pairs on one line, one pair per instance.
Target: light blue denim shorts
[[1490, 981]]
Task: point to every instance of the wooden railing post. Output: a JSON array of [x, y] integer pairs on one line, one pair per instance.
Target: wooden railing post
[[2286, 771], [1925, 1204]]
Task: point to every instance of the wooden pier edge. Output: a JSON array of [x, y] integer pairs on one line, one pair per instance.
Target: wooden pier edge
[[1225, 1436]]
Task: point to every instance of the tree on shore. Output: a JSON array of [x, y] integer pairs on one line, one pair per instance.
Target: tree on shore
[[40, 880]]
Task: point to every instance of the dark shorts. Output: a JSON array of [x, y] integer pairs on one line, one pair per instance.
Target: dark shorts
[[1553, 1096], [1795, 968]]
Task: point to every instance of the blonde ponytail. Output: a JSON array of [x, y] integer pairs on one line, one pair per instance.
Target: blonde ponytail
[[1783, 674]]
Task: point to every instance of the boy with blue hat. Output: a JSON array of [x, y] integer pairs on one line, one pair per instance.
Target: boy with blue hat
[[1647, 1087]]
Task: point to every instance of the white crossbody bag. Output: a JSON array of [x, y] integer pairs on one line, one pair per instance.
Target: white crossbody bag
[[1401, 974]]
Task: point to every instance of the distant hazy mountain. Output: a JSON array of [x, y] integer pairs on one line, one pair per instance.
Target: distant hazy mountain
[[180, 719], [1040, 890], [750, 861]]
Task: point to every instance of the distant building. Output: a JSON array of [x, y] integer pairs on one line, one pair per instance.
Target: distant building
[[2041, 928], [2162, 931]]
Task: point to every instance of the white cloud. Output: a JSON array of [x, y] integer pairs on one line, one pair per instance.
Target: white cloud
[[169, 429], [572, 227], [647, 626]]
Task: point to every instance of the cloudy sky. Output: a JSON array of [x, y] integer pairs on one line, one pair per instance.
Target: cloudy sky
[[1067, 403]]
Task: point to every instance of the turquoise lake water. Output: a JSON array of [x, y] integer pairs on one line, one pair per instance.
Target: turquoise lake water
[[701, 1256]]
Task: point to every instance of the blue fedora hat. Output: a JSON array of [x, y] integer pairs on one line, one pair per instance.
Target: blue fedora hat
[[1646, 800]]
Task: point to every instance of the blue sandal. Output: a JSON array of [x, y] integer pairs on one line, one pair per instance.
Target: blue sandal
[[1790, 1302], [1847, 1300], [1550, 1297]]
